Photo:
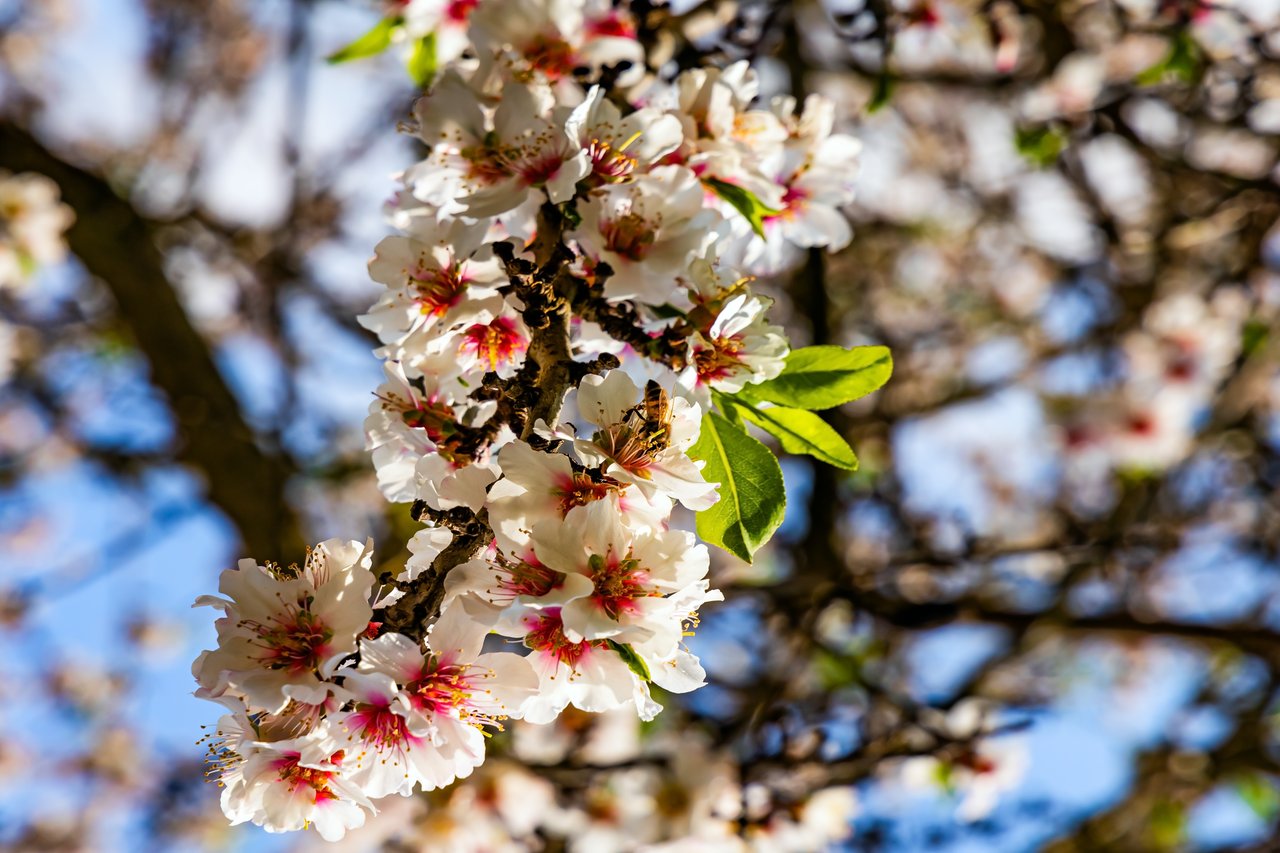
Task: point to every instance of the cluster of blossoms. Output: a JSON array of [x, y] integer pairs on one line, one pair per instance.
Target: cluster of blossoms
[[652, 792], [1172, 369], [568, 245], [32, 222]]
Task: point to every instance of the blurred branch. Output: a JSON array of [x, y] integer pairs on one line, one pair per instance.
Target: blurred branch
[[117, 245]]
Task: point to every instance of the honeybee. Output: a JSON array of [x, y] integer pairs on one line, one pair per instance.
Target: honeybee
[[656, 424]]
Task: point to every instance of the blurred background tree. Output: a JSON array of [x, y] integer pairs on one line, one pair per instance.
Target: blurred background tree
[[1045, 612]]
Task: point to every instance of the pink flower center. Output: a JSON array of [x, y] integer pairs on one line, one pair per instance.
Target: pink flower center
[[1182, 363], [536, 170], [296, 776], [431, 417], [1078, 436], [449, 689], [438, 290], [377, 725], [459, 11], [924, 15], [486, 165], [1142, 424], [627, 447], [546, 636], [578, 489], [551, 55], [529, 577], [496, 344], [613, 25], [618, 583], [793, 200], [295, 640], [608, 163], [443, 688]]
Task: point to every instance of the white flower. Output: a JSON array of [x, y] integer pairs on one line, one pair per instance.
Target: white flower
[[445, 20], [445, 483], [816, 171], [588, 675], [630, 448], [497, 345], [977, 777], [591, 591], [1150, 434], [282, 629], [537, 487], [434, 285], [412, 418], [646, 230], [1186, 344], [723, 139], [424, 547], [286, 785], [418, 717], [552, 38], [483, 168], [738, 348], [631, 571], [32, 222], [621, 146]]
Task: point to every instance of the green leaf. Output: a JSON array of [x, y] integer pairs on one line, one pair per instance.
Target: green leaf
[[742, 200], [804, 432], [882, 93], [823, 377], [725, 404], [634, 662], [1182, 63], [372, 43], [422, 61], [1259, 793], [1040, 146], [1253, 336], [752, 497]]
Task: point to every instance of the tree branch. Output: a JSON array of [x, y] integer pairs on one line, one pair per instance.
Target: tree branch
[[117, 245]]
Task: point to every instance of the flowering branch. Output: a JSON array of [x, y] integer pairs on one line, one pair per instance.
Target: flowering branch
[[568, 232]]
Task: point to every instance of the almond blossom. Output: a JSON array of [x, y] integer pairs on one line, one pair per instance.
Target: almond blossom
[[646, 231], [418, 716], [550, 39], [285, 785], [587, 674], [483, 164], [537, 487], [434, 285], [281, 791], [816, 170], [621, 146], [409, 419], [445, 20], [633, 449], [631, 571], [723, 137], [732, 345], [287, 627], [32, 223]]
